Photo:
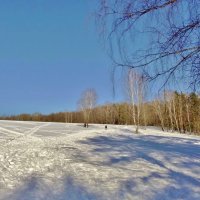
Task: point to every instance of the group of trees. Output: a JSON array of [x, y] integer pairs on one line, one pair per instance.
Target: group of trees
[[156, 40], [178, 111], [172, 111]]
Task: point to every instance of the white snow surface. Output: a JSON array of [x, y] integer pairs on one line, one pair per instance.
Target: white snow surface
[[57, 161]]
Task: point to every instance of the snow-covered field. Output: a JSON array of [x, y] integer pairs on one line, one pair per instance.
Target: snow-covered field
[[67, 161]]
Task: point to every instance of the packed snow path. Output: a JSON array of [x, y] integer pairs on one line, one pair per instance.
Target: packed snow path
[[58, 161]]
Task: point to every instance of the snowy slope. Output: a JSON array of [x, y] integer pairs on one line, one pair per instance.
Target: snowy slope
[[58, 161]]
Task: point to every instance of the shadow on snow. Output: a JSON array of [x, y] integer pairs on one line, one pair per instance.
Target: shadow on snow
[[36, 188], [179, 153], [117, 152]]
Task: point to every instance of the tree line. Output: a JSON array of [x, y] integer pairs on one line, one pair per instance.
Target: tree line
[[172, 111]]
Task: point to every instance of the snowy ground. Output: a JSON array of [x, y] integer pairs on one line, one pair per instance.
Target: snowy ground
[[67, 161]]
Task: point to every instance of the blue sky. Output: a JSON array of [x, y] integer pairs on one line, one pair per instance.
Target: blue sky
[[49, 53]]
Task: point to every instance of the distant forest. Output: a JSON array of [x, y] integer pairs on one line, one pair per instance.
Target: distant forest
[[172, 111]]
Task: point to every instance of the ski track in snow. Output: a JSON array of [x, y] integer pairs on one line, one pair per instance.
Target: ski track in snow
[[57, 161], [7, 131], [35, 129]]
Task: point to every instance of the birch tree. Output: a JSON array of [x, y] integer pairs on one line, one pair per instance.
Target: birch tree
[[87, 102], [135, 88], [157, 104], [169, 99]]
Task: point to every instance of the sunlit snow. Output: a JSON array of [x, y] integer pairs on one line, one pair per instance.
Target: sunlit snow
[[58, 161]]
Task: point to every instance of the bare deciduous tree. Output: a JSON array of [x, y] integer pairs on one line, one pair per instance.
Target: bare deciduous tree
[[135, 89], [157, 104], [87, 102], [161, 37], [169, 99], [180, 103], [175, 112], [68, 117], [188, 114]]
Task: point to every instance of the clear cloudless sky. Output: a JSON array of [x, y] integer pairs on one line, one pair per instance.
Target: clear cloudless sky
[[49, 53]]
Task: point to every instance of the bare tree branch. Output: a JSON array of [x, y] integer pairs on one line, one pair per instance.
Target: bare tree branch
[[160, 37]]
